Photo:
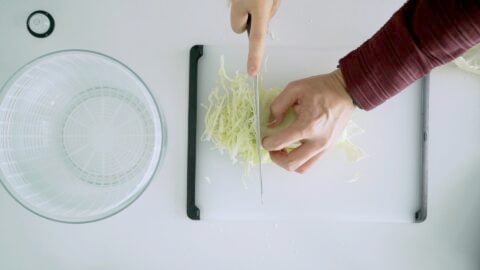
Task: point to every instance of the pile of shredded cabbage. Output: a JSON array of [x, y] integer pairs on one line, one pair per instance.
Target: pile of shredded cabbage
[[230, 117], [230, 120]]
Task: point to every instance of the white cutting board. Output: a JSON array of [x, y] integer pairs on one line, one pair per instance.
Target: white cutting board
[[386, 186]]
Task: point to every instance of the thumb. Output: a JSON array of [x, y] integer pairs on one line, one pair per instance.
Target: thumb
[[280, 105]]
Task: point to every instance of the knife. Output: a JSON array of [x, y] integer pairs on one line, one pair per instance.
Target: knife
[[257, 119], [257, 131]]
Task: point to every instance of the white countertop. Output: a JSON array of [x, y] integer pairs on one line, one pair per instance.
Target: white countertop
[[154, 232]]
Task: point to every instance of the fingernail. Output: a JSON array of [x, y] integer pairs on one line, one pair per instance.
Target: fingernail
[[252, 70]]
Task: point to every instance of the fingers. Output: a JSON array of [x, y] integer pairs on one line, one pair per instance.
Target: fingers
[[307, 165], [256, 38], [298, 159], [284, 138], [238, 17], [261, 13], [280, 105]]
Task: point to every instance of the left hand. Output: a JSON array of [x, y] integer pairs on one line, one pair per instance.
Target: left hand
[[261, 11]]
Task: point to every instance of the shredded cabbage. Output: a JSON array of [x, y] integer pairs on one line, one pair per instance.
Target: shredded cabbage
[[470, 60], [352, 151], [230, 120], [230, 117]]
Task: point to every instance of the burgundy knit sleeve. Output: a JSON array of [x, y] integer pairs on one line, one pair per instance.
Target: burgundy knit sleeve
[[421, 35]]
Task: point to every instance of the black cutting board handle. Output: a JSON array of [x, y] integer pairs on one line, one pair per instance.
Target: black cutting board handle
[[193, 212]]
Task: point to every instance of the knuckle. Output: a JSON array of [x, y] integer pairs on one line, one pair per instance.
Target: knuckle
[[291, 85], [292, 88], [294, 84], [275, 108]]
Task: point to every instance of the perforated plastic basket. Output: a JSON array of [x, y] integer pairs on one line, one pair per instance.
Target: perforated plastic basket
[[80, 136]]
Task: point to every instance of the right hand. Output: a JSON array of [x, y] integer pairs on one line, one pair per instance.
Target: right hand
[[261, 11], [323, 108]]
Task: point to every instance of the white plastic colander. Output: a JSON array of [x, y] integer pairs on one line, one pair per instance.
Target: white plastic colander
[[80, 136]]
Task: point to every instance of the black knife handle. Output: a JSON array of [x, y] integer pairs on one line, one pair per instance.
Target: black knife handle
[[248, 26]]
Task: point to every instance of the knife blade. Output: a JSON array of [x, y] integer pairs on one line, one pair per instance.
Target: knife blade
[[257, 118], [258, 135]]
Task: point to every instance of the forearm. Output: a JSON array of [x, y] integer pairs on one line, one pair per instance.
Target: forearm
[[421, 35]]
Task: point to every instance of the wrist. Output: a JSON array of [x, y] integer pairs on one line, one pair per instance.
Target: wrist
[[339, 77]]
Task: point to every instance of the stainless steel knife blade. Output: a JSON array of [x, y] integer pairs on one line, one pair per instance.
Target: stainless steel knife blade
[[257, 118], [258, 135]]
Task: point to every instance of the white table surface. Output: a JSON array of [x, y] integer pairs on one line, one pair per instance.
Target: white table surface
[[154, 232]]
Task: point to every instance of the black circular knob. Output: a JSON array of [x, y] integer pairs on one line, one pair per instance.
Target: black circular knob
[[40, 24]]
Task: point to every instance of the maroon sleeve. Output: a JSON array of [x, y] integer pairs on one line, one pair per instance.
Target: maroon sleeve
[[421, 35]]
